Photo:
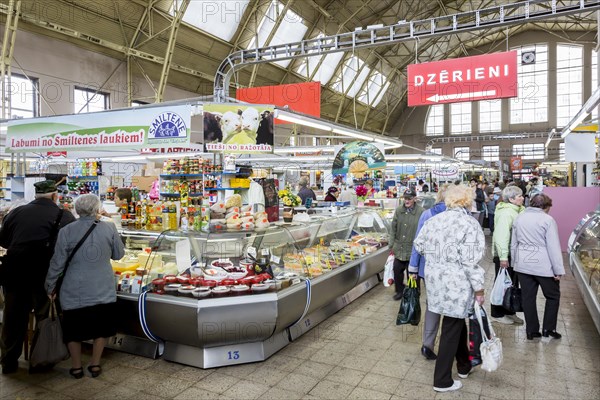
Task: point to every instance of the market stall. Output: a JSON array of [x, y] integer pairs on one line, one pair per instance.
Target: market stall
[[584, 259], [235, 297]]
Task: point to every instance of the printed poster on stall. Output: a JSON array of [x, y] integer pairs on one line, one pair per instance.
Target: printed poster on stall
[[358, 157], [153, 127], [238, 129]]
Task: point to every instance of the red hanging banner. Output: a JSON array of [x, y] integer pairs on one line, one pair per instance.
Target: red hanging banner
[[490, 76], [300, 97]]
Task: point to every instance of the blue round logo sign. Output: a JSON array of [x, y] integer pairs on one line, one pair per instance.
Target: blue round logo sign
[[166, 126]]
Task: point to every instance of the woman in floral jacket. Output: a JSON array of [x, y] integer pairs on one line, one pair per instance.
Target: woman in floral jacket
[[453, 244]]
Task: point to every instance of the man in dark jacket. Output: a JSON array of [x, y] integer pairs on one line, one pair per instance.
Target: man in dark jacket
[[404, 228], [28, 233]]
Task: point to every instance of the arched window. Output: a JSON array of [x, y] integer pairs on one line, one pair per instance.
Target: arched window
[[490, 115], [569, 82], [460, 118], [434, 125], [532, 103]]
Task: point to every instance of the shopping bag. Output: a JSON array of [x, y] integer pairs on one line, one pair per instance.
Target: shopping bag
[[410, 308], [388, 271], [475, 338], [48, 347], [491, 347], [512, 297], [502, 283]]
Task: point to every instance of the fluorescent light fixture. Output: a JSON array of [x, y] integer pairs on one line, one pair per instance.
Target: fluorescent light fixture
[[129, 158], [303, 122], [550, 136], [303, 149], [352, 134], [389, 142], [587, 108]]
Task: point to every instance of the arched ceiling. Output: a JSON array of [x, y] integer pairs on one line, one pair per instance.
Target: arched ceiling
[[140, 30]]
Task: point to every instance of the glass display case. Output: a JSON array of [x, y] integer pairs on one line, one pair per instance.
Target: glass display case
[[248, 293], [584, 259]]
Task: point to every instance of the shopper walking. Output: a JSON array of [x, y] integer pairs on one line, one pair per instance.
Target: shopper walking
[[332, 194], [402, 235], [370, 190], [349, 194], [494, 198], [453, 244], [88, 295], [505, 214], [538, 262], [477, 209], [305, 192], [28, 233], [416, 266]]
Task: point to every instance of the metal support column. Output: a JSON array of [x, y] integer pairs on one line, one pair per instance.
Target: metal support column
[[8, 44], [170, 49]]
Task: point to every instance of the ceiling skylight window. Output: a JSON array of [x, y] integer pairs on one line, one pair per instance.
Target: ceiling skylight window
[[353, 76], [220, 19], [375, 89], [291, 29], [321, 67]]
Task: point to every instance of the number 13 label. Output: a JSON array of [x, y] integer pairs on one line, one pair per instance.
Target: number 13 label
[[233, 355]]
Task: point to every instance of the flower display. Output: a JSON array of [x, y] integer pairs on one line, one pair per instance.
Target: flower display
[[288, 198], [361, 192]]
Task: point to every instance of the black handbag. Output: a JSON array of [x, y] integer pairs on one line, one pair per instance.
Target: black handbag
[[475, 337], [512, 297]]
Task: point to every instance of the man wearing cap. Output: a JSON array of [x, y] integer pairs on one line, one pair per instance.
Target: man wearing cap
[[404, 228], [28, 233]]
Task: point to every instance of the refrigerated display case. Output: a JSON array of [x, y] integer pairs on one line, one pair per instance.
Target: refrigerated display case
[[240, 296], [584, 259]]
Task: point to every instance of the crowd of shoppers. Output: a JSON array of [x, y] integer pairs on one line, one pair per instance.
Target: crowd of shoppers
[[448, 244], [39, 238]]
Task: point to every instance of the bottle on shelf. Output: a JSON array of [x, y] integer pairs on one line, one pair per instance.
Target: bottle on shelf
[[173, 223], [165, 217], [138, 215]]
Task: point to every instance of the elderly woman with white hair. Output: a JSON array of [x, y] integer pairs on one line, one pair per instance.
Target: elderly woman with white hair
[[87, 295], [453, 244], [504, 216]]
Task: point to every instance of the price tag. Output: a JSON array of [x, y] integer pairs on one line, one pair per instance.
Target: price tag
[[309, 259], [182, 255], [343, 259], [328, 264], [352, 255], [251, 251], [275, 259], [295, 281], [265, 252]]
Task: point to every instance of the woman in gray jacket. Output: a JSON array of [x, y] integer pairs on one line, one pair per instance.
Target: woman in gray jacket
[[538, 261], [87, 296]]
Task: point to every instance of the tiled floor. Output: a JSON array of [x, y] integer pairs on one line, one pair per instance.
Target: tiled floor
[[359, 353]]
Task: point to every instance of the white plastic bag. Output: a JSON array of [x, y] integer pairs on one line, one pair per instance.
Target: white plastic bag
[[502, 283], [491, 348], [388, 271]]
